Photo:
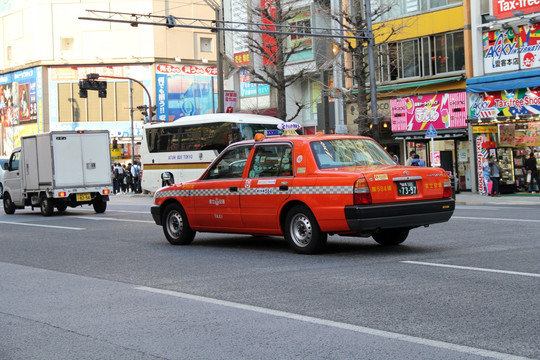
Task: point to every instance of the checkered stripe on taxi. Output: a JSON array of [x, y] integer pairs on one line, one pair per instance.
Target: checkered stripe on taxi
[[298, 190]]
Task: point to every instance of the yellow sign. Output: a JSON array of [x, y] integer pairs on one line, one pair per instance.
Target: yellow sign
[[484, 129]]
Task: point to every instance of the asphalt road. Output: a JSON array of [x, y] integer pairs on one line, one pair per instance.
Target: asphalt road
[[82, 285]]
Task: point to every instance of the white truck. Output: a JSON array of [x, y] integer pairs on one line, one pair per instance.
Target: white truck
[[58, 169]]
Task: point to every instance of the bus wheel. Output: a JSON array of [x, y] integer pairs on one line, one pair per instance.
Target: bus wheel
[[176, 226]]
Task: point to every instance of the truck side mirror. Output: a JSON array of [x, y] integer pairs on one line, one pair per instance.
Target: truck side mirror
[[5, 166]]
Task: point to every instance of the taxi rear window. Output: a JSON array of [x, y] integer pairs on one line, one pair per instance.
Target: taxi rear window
[[337, 153]]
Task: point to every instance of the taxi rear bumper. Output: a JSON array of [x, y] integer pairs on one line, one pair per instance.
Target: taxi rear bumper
[[369, 218]]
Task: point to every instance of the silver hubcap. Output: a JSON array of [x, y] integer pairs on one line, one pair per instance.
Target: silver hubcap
[[175, 224], [301, 230]]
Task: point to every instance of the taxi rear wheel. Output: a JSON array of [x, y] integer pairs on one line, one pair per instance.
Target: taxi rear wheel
[[391, 237], [302, 231], [176, 226]]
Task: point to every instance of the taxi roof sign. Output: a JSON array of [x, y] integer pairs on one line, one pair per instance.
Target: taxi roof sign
[[289, 128]]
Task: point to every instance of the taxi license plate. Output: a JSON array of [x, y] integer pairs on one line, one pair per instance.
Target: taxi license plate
[[84, 197], [405, 188]]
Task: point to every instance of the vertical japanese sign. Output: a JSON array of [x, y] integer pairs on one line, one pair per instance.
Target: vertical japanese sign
[[161, 88], [230, 101]]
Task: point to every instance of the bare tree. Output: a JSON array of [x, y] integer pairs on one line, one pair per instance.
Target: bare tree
[[352, 21], [272, 51]]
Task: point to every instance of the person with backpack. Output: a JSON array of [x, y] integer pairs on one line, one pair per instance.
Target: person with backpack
[[135, 173], [416, 161]]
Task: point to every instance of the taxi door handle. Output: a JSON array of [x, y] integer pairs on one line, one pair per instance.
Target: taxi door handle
[[233, 188], [283, 187]]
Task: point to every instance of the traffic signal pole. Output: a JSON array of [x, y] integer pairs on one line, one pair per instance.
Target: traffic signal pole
[[128, 78]]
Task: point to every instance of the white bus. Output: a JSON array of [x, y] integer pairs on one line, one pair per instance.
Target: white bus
[[186, 146]]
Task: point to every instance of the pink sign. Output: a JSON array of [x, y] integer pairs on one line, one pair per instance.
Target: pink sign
[[415, 113]]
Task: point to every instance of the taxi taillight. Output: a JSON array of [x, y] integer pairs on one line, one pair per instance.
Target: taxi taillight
[[447, 189], [361, 193]]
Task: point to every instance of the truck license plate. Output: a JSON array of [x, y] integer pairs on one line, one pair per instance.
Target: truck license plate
[[407, 188], [84, 197]]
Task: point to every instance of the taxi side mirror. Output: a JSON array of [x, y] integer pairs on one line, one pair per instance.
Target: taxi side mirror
[[167, 178]]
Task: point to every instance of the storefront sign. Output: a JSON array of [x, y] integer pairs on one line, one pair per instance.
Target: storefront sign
[[503, 8], [248, 88], [504, 103], [505, 50], [184, 90], [230, 101], [20, 96], [443, 111], [485, 129]]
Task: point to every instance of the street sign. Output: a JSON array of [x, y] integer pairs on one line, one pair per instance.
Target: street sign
[[431, 132]]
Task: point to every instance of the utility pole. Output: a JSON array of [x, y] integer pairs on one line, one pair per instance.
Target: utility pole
[[371, 60]]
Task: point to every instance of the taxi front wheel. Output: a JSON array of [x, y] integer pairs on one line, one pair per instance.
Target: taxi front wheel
[[176, 226], [302, 231], [391, 237]]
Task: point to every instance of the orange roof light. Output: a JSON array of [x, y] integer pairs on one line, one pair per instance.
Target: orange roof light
[[259, 137]]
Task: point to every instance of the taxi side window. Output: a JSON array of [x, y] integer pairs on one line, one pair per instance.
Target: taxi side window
[[271, 161], [231, 165]]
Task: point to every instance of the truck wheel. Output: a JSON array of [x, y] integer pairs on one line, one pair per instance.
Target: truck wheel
[[9, 206], [390, 237], [176, 226], [46, 206], [302, 231], [99, 205]]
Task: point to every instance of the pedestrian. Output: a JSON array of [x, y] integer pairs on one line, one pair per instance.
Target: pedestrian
[[532, 169], [416, 161], [495, 177], [118, 178], [412, 154], [135, 173], [486, 175], [125, 179]]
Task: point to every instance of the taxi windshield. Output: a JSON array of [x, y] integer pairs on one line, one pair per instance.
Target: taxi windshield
[[349, 152]]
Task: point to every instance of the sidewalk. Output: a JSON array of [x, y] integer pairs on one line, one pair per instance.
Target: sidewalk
[[468, 198]]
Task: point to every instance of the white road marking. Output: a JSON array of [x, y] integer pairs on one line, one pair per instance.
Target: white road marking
[[111, 219], [41, 225], [493, 219], [472, 268], [338, 325]]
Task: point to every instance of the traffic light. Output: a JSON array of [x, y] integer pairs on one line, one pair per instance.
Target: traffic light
[[92, 84]]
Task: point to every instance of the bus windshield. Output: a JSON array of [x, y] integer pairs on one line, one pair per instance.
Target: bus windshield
[[187, 146]]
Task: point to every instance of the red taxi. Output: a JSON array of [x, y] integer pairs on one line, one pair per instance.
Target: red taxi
[[305, 187]]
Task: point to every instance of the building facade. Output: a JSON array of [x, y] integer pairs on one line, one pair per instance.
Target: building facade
[[504, 91], [46, 48], [421, 77]]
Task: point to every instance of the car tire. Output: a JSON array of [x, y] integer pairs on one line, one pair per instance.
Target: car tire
[[9, 206], [303, 232], [391, 237], [46, 206], [99, 205], [176, 225]]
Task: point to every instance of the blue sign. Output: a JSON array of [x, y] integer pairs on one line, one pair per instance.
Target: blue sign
[[431, 132]]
